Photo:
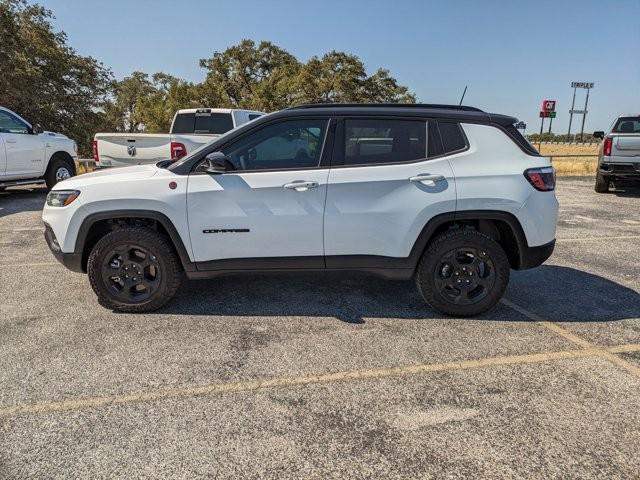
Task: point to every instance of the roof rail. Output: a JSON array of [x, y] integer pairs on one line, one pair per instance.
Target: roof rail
[[390, 105]]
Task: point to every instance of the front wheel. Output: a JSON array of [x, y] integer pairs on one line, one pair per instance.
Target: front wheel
[[133, 269], [463, 273], [59, 169]]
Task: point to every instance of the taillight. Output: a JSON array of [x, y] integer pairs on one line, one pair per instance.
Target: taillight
[[178, 150], [542, 179], [94, 149], [606, 148]]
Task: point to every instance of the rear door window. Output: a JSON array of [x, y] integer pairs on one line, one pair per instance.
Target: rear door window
[[383, 141]]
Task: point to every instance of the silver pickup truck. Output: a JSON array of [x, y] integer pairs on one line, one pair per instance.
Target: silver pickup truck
[[619, 154], [190, 129]]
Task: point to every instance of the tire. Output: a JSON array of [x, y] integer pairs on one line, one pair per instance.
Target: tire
[[602, 183], [119, 254], [463, 273], [59, 169]]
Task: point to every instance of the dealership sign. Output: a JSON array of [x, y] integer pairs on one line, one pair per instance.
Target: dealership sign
[[582, 84]]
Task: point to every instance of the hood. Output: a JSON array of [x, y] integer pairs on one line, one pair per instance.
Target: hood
[[52, 134], [108, 175]]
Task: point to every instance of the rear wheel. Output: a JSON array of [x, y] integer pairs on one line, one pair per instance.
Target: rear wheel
[[133, 269], [602, 183], [59, 169], [463, 273]]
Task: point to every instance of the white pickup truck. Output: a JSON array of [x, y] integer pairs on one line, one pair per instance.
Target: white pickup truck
[[190, 129], [28, 155]]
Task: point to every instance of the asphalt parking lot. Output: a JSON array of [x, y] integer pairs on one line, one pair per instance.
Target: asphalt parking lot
[[318, 376]]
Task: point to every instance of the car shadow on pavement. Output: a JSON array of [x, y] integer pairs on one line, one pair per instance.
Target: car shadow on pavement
[[627, 190], [22, 200], [551, 292], [566, 294]]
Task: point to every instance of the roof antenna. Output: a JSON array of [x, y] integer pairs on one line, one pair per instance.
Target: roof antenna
[[463, 94]]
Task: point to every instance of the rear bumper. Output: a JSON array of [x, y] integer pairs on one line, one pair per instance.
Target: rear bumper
[[620, 169], [531, 257], [73, 261]]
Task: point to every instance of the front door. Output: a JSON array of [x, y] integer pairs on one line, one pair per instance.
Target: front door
[[25, 151], [267, 210]]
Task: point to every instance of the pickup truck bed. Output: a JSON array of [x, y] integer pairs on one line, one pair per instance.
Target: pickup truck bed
[[190, 129]]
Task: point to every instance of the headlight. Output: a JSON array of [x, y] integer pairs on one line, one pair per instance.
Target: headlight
[[61, 198]]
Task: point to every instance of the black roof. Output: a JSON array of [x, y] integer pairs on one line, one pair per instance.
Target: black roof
[[453, 112]]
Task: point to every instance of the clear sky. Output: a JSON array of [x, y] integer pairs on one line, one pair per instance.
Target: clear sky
[[512, 54]]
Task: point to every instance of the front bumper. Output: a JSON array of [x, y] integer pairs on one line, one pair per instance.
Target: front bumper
[[627, 169], [531, 257], [73, 261]]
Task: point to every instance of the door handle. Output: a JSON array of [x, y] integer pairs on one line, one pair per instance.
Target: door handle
[[11, 140], [300, 186], [427, 179]]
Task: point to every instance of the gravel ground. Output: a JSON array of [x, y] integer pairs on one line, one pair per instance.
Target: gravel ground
[[327, 376]]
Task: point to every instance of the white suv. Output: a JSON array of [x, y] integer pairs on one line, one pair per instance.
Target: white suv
[[451, 196]]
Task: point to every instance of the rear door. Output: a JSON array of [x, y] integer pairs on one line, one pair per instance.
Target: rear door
[[24, 150], [626, 142], [388, 179], [267, 210]]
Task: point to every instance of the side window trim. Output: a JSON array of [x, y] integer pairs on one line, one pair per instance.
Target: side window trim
[[321, 162]]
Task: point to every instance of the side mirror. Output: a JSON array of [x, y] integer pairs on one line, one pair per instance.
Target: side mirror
[[215, 163], [598, 134]]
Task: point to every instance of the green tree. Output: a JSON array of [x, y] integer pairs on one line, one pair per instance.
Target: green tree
[[250, 76], [45, 80], [267, 77], [125, 110], [156, 110]]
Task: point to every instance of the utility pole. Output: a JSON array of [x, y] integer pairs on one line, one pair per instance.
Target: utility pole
[[584, 115], [573, 104]]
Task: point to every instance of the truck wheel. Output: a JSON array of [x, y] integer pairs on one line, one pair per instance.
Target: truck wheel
[[59, 169], [133, 269], [602, 183], [463, 273]]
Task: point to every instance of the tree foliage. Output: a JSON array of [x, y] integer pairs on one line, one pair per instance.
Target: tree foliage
[[45, 80]]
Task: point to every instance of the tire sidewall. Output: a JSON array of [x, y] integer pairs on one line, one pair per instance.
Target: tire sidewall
[[55, 164], [156, 247], [451, 241]]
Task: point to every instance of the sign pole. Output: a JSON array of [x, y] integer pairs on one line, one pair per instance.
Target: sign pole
[[584, 115], [573, 104], [550, 122]]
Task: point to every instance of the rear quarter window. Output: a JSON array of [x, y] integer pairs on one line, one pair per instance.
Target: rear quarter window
[[453, 139]]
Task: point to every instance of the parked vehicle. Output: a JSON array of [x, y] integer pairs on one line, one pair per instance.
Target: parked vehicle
[[619, 153], [190, 129], [450, 196], [29, 155]]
